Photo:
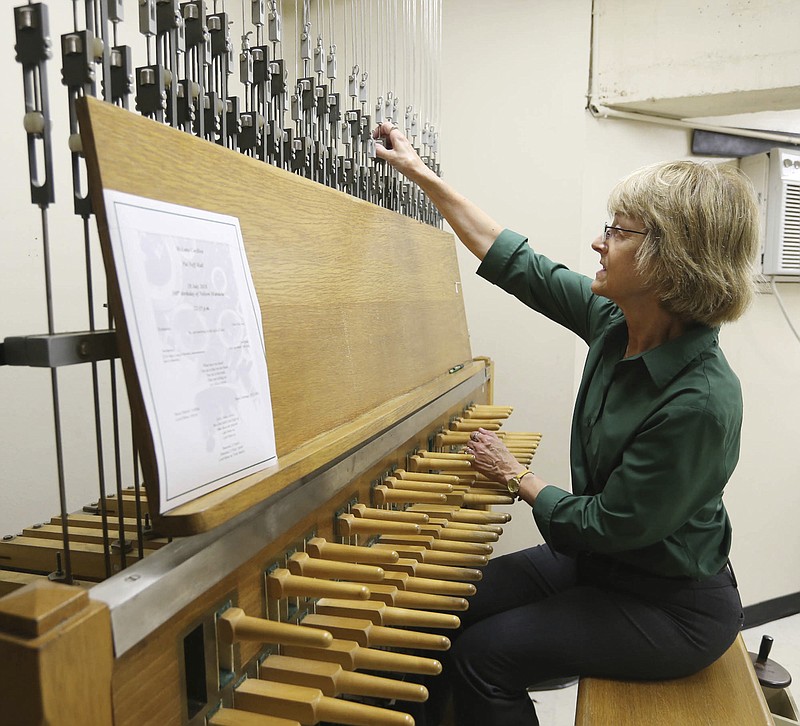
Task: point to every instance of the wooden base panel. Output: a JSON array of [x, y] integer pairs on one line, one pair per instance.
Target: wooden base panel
[[725, 693]]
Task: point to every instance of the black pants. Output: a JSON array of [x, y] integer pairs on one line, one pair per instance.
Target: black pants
[[539, 615]]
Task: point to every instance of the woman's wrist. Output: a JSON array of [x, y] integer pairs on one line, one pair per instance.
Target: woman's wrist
[[529, 487], [427, 179]]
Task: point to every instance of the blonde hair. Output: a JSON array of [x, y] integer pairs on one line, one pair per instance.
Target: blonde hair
[[702, 236]]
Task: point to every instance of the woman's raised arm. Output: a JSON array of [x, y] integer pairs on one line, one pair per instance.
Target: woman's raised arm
[[476, 229]]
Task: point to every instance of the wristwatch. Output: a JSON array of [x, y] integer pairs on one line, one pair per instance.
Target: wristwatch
[[513, 482]]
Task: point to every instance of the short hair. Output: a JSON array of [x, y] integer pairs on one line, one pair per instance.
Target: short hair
[[702, 236]]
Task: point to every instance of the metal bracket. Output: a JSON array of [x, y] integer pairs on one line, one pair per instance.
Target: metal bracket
[[61, 349]]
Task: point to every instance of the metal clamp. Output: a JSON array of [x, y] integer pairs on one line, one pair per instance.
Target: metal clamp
[[61, 349]]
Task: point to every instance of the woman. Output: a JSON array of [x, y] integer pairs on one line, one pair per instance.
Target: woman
[[634, 580]]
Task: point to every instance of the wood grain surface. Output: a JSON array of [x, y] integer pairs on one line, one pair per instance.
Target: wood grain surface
[[361, 307], [724, 694]]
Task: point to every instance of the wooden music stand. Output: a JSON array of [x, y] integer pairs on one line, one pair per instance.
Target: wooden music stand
[[362, 308]]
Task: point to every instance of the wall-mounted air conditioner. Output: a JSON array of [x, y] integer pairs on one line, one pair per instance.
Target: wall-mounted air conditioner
[[776, 178]]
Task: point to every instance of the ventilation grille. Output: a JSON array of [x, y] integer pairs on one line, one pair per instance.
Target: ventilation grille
[[790, 244]]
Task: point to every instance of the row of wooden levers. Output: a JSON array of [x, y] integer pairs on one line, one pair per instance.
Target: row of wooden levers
[[347, 618]]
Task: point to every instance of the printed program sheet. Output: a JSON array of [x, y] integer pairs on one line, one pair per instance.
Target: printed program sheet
[[198, 347]]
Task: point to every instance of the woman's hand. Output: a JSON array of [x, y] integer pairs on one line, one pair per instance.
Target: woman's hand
[[398, 151], [476, 229], [491, 457]]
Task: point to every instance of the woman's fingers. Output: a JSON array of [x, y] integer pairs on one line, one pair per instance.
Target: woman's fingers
[[395, 148], [382, 151], [383, 129], [490, 456]]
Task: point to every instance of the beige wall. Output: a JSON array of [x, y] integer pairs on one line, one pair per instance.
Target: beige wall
[[518, 141], [513, 135]]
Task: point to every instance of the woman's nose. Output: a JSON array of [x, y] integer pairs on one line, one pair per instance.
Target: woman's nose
[[599, 244]]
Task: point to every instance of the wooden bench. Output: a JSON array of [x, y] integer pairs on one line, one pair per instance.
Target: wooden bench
[[727, 693]]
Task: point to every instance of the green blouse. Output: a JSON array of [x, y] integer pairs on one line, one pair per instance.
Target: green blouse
[[655, 437]]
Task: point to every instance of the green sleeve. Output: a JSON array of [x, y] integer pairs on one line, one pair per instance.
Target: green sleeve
[[548, 287], [660, 484]]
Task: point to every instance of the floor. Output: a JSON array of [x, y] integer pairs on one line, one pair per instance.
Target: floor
[[557, 708]]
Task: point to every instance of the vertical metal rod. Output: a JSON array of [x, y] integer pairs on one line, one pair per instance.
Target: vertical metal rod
[[101, 19], [62, 493], [117, 457], [101, 477], [137, 488]]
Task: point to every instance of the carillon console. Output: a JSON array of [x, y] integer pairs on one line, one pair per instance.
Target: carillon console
[[308, 591]]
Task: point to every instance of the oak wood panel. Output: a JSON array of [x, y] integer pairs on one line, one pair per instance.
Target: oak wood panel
[[361, 307], [37, 554], [725, 693], [10, 581], [81, 519], [89, 535], [57, 657]]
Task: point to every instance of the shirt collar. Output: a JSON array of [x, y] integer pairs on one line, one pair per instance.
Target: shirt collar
[[667, 360]]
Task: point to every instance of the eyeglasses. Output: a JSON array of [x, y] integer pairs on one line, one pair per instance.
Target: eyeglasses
[[610, 231]]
